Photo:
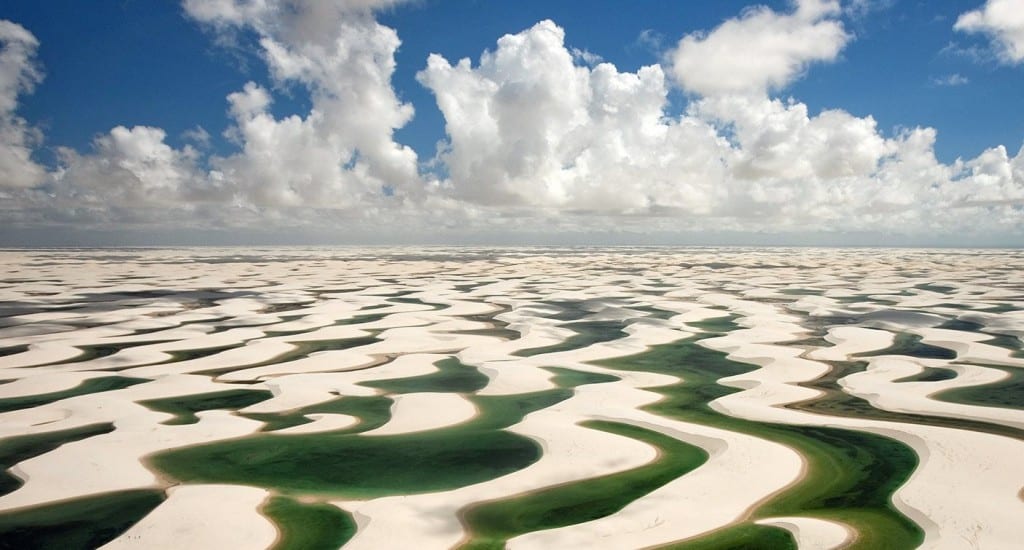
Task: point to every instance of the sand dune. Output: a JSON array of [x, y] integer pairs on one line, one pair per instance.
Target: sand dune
[[111, 358]]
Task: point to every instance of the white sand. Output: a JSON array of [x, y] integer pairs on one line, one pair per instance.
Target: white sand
[[848, 341], [213, 517], [417, 412], [970, 347], [111, 461], [877, 384], [49, 382], [699, 502], [967, 487], [813, 533], [962, 487], [321, 422]]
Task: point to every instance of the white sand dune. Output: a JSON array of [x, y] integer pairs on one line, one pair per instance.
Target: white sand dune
[[203, 517], [111, 461], [849, 341], [49, 382], [407, 413], [245, 310], [813, 533], [430, 520], [740, 472], [970, 347], [721, 491], [962, 489], [877, 384], [321, 422]]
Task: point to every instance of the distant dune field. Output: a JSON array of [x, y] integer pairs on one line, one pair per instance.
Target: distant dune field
[[519, 397]]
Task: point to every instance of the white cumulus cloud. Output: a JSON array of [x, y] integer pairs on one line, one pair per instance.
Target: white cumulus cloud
[[1003, 21], [129, 167], [340, 152], [531, 128], [541, 137], [338, 156], [760, 50], [528, 126]]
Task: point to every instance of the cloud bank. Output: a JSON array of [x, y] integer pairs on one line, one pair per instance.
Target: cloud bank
[[530, 127], [541, 137]]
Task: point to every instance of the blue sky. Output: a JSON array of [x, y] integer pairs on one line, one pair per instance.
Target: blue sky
[[148, 64], [136, 62]]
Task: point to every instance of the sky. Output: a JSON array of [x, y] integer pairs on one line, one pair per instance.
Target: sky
[[808, 122]]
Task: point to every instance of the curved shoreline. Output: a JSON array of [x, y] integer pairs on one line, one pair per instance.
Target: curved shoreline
[[919, 497]]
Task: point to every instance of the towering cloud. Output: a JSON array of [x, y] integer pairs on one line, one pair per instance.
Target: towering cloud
[[340, 153], [530, 127], [1003, 20], [760, 50], [19, 75]]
